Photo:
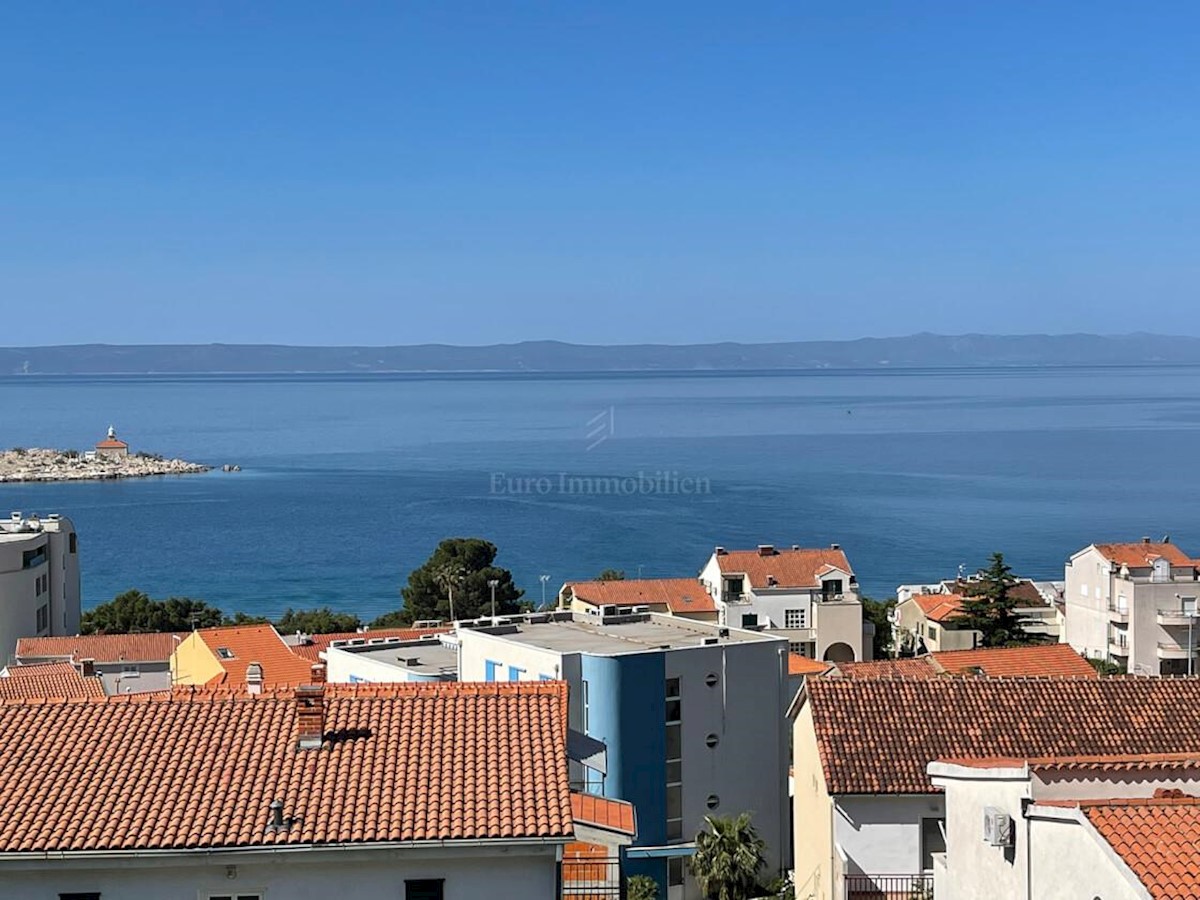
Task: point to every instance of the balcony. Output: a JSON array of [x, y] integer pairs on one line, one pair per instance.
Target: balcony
[[1118, 614], [1173, 651], [1118, 647], [1175, 616], [889, 887]]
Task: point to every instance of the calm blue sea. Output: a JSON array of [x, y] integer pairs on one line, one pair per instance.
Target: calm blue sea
[[349, 482]]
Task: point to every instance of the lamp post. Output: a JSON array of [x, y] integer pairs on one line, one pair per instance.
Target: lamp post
[[492, 584], [543, 579]]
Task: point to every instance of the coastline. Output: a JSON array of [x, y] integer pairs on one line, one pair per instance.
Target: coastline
[[20, 466]]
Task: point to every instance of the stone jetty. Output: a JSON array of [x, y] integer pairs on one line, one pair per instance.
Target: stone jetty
[[69, 465]]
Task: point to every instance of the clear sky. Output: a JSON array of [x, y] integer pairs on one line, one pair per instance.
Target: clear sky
[[478, 172]]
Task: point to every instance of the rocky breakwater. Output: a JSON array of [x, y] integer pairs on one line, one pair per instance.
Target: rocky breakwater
[[68, 465]]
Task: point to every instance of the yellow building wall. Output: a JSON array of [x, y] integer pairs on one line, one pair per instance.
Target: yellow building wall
[[816, 862], [193, 662]]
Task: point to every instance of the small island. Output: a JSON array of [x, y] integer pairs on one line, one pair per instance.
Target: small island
[[110, 460]]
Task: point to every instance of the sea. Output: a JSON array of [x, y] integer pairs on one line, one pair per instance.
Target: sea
[[348, 482]]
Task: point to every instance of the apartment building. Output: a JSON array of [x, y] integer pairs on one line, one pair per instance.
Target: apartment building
[[39, 578], [1134, 604], [926, 617], [366, 659], [680, 718], [809, 597]]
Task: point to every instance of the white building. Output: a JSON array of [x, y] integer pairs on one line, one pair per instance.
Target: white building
[[1116, 827], [405, 792], [808, 597], [1134, 605], [39, 579], [366, 659], [680, 718]]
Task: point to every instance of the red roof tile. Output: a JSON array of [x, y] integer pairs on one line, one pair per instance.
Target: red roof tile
[[799, 664], [1036, 660], [318, 643], [47, 680], [679, 595], [1141, 554], [611, 815], [112, 444], [877, 736], [939, 607], [1158, 839], [1121, 762], [255, 643], [789, 568], [399, 762], [103, 648], [912, 667]]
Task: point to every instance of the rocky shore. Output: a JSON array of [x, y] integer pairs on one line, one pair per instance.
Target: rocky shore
[[69, 465]]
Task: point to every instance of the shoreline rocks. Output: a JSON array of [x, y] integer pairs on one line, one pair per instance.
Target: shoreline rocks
[[37, 464]]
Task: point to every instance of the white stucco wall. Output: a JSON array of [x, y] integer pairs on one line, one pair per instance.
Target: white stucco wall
[[468, 874], [881, 835]]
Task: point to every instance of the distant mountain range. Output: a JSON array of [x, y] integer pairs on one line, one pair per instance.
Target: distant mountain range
[[914, 351]]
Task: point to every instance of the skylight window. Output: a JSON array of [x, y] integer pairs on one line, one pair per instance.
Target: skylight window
[[224, 653]]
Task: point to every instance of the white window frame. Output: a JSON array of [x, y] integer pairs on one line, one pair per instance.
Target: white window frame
[[793, 616]]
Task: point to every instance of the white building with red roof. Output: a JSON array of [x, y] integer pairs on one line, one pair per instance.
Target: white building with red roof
[[686, 597], [112, 447], [808, 596], [1134, 604]]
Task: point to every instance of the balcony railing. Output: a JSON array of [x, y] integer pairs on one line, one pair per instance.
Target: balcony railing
[[889, 887], [591, 878]]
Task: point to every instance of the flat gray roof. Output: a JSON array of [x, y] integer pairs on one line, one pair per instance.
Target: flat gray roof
[[433, 657], [628, 634]]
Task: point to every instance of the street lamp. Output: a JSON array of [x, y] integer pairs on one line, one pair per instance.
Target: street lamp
[[492, 582], [543, 579]]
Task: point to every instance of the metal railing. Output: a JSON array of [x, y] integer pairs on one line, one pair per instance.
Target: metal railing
[[591, 878], [889, 887]]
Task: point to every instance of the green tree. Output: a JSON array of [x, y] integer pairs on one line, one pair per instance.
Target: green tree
[[316, 621], [241, 618], [876, 612], [728, 858], [611, 575], [641, 887], [467, 563], [991, 610], [135, 612]]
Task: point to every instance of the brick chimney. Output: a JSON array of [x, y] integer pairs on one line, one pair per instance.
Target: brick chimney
[[766, 549], [310, 716], [87, 667], [318, 674], [254, 678]]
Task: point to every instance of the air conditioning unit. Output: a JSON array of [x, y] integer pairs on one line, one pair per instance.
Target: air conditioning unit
[[997, 827]]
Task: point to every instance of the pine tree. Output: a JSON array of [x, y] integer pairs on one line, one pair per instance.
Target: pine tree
[[991, 610]]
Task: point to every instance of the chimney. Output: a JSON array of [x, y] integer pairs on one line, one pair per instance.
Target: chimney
[[719, 551], [254, 678], [318, 674], [766, 549], [310, 716], [1145, 540], [835, 546], [87, 668]]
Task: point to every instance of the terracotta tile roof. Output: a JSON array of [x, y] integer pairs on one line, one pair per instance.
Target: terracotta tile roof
[[1140, 554], [790, 568], [1037, 660], [939, 607], [679, 595], [913, 667], [60, 680], [1121, 762], [399, 762], [255, 643], [611, 815], [799, 664], [103, 648], [877, 736], [1158, 839], [1023, 593], [112, 444], [320, 642]]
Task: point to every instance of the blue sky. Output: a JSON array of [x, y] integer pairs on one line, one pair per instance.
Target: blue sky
[[474, 172]]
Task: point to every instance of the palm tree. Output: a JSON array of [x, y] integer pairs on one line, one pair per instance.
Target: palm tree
[[448, 577], [728, 858]]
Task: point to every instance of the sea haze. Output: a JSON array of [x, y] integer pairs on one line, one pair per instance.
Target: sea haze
[[348, 482]]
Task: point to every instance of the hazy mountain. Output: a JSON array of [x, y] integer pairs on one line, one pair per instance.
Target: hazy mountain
[[915, 351]]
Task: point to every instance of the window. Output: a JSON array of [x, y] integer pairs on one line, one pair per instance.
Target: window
[[224, 653], [424, 889], [31, 559], [749, 620], [675, 871], [796, 647], [210, 896], [544, 677], [933, 840], [129, 669], [793, 618], [80, 895], [587, 713], [43, 618], [674, 760], [489, 669], [72, 543], [933, 632], [515, 673]]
